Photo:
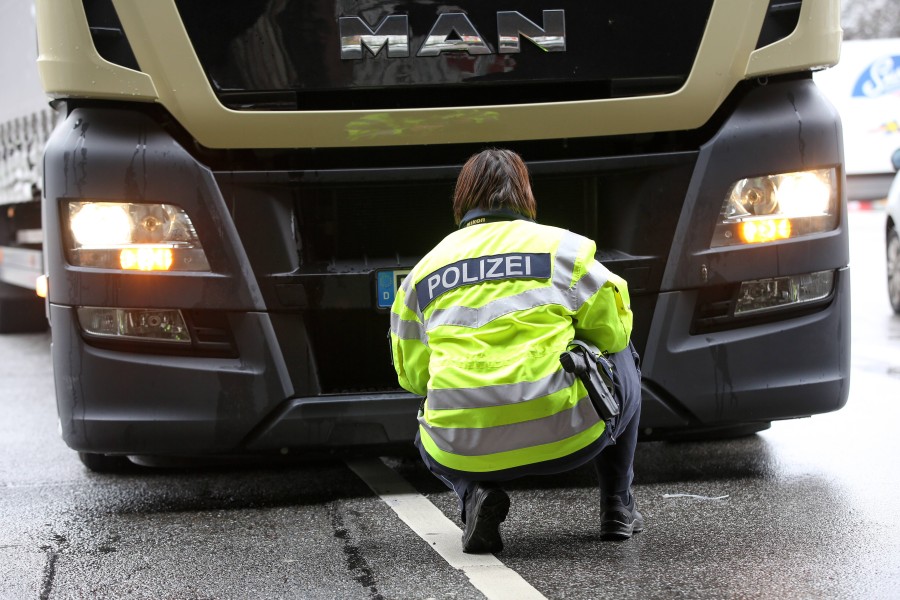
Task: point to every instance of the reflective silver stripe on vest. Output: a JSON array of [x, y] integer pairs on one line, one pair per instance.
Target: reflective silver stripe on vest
[[503, 438], [410, 300], [498, 395], [589, 284], [402, 328], [464, 316], [566, 254], [408, 330]]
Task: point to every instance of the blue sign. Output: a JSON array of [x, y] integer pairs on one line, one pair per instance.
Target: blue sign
[[385, 292], [386, 284], [880, 78]]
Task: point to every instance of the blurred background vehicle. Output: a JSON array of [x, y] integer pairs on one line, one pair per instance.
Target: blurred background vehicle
[[865, 88], [892, 239]]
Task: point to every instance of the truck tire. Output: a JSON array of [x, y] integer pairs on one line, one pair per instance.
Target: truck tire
[[107, 463], [21, 311]]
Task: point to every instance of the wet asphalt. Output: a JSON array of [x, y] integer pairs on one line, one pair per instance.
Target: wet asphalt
[[805, 509]]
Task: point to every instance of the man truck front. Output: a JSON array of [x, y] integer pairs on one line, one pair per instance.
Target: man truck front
[[237, 187]]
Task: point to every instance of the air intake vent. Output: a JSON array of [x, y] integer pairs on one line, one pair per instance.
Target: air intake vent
[[107, 33], [781, 20]]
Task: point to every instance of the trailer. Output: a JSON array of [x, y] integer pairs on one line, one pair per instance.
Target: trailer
[[26, 121]]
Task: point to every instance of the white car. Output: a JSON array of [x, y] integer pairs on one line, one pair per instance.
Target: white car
[[892, 238]]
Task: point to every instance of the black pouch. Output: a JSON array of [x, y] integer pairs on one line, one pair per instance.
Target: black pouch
[[596, 373]]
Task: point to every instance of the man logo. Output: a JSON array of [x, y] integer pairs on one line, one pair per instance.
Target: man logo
[[451, 32]]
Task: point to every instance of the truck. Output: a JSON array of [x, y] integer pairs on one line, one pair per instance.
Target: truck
[[234, 190], [26, 121]]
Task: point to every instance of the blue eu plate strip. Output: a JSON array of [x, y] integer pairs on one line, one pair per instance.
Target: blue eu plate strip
[[387, 283]]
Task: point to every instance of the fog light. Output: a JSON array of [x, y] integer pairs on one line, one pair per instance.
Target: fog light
[[147, 324], [778, 292]]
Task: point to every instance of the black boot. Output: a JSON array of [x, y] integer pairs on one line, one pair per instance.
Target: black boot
[[486, 507], [618, 520]]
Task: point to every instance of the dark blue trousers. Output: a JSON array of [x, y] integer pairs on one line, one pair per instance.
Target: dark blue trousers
[[612, 454]]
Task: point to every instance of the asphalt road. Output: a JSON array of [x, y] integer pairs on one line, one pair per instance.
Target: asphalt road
[[803, 510]]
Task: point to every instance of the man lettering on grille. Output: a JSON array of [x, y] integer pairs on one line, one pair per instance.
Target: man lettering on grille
[[477, 328]]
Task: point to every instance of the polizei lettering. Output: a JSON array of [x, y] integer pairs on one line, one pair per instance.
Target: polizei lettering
[[451, 32], [485, 268]]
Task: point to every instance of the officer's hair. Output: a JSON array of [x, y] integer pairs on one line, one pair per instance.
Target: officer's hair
[[494, 179]]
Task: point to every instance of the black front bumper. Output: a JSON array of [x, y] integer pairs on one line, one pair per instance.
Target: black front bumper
[[308, 363], [150, 404]]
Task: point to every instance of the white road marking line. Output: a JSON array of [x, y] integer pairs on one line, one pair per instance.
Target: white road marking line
[[490, 576], [696, 496]]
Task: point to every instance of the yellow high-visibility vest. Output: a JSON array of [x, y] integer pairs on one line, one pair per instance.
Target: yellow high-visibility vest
[[477, 328]]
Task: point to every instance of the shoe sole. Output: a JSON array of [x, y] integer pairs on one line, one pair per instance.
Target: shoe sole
[[490, 511], [619, 530]]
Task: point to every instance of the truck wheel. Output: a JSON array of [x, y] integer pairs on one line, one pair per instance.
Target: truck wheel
[[106, 463], [21, 311], [893, 270]]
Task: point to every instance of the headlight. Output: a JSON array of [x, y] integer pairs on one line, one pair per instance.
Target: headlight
[[133, 237], [778, 207]]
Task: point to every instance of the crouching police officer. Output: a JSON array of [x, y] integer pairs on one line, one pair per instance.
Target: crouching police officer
[[478, 327]]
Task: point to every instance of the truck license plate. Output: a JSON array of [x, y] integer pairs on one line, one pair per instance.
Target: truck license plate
[[387, 284]]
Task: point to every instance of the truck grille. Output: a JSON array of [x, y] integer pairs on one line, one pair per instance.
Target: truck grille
[[287, 55], [345, 227]]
